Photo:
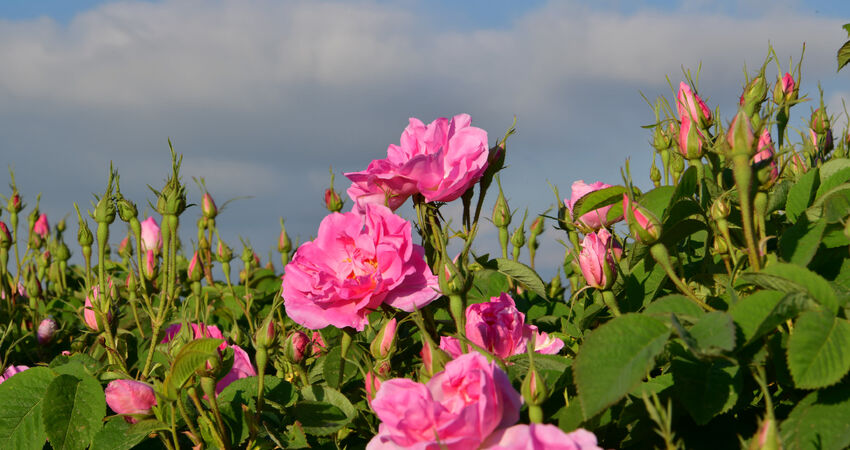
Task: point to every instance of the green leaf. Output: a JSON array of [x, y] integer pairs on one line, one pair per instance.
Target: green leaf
[[277, 393], [801, 194], [323, 410], [817, 287], [752, 312], [846, 27], [598, 199], [833, 173], [843, 55], [117, 434], [550, 367], [819, 421], [657, 200], [330, 368], [20, 416], [778, 196], [706, 389], [715, 330], [687, 185], [614, 359], [73, 411], [799, 243], [487, 284], [192, 356], [833, 206], [817, 350], [653, 386], [681, 306], [522, 273]]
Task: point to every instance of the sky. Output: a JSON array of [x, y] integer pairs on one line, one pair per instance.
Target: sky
[[263, 97]]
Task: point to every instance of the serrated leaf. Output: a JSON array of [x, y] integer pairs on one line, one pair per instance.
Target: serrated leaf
[[73, 411], [817, 350], [614, 359], [683, 307], [819, 421], [817, 287], [801, 194], [598, 199], [243, 391], [522, 273], [714, 330], [799, 243], [22, 398], [843, 55], [833, 206], [192, 356], [117, 434], [706, 389], [750, 313], [330, 369], [323, 410], [833, 173]]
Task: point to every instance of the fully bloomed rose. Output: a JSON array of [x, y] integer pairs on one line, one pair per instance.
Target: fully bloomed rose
[[356, 263], [457, 410], [440, 161], [130, 397], [498, 327], [540, 437], [597, 218]]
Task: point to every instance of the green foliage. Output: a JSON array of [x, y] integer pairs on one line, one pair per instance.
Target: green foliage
[[73, 410], [817, 351], [22, 397]]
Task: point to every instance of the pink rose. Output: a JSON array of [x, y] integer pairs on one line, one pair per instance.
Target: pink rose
[[597, 254], [45, 331], [40, 227], [355, 264], [242, 368], [540, 437], [595, 219], [198, 331], [440, 161], [151, 236], [193, 264], [643, 226], [88, 310], [130, 397], [457, 409], [498, 327], [691, 105], [12, 370], [765, 156], [690, 139]]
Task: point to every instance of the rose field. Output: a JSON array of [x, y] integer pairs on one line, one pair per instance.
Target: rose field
[[710, 310]]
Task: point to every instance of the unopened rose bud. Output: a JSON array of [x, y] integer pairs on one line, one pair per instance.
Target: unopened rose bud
[[295, 347], [149, 265], [661, 139], [785, 89], [41, 227], [501, 211], [820, 121], [5, 237], [754, 94], [740, 136], [383, 345], [534, 390], [373, 383], [14, 205], [223, 252], [266, 334], [124, 248], [195, 271], [644, 226], [720, 209], [332, 201], [45, 331], [690, 140], [151, 235], [433, 359], [130, 397], [127, 210], [691, 105], [208, 207]]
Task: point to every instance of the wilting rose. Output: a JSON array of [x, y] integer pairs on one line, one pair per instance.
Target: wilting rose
[[458, 408], [151, 235], [498, 327], [41, 227], [538, 436], [597, 218], [597, 257], [440, 161], [12, 370], [130, 397], [356, 263]]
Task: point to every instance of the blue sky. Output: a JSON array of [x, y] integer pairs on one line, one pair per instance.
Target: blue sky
[[263, 96]]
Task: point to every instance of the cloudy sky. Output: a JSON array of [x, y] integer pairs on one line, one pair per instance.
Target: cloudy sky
[[262, 97]]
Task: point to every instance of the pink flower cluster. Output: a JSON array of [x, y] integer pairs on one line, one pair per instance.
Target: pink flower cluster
[[498, 327], [355, 264], [242, 367], [440, 161], [471, 404]]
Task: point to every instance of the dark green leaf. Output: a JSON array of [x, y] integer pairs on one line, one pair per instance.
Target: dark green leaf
[[521, 273], [657, 200], [330, 368], [192, 356], [819, 421], [683, 307], [323, 410], [800, 242], [73, 411], [614, 359], [22, 398], [243, 391], [714, 330], [801, 194], [817, 350], [778, 196], [706, 388], [117, 434], [687, 185], [817, 287], [843, 55], [653, 386], [751, 313]]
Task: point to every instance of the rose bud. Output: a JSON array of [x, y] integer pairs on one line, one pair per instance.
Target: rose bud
[[208, 207], [151, 235], [130, 397], [384, 344], [295, 347], [46, 330]]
